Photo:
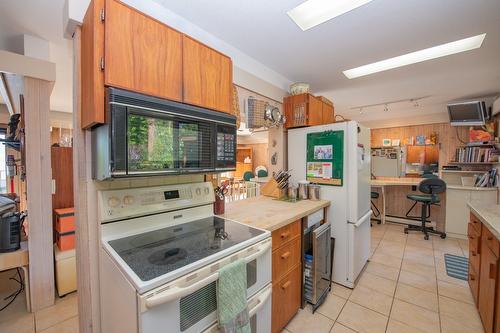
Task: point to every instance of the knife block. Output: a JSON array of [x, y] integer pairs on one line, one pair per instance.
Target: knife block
[[271, 189]]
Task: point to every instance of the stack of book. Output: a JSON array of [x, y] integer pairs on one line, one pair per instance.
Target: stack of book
[[487, 179], [474, 154]]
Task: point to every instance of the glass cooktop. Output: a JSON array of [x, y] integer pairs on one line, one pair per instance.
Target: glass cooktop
[[159, 252]]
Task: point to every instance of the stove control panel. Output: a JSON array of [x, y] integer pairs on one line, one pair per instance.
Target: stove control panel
[[126, 203]]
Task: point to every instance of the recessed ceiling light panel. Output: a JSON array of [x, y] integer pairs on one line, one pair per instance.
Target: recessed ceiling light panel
[[313, 12], [439, 51]]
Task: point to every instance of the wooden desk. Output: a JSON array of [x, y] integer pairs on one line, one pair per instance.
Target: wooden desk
[[382, 182], [18, 259]]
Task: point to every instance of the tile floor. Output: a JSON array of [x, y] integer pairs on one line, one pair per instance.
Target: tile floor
[[404, 289], [59, 318]]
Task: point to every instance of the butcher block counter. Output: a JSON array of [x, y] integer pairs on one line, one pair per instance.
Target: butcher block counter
[[284, 220], [269, 213]]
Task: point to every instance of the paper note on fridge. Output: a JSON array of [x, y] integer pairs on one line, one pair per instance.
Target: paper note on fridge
[[319, 170]]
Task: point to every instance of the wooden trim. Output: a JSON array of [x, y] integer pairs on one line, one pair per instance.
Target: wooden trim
[[39, 199], [87, 227]]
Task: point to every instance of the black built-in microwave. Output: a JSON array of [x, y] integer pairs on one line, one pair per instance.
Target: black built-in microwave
[[146, 136]]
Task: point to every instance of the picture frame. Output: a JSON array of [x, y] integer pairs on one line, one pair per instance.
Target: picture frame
[[396, 142], [386, 142]]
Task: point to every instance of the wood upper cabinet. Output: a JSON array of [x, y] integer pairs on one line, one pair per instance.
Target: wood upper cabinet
[[141, 54], [306, 110], [328, 113], [92, 77], [415, 154], [208, 76], [124, 48]]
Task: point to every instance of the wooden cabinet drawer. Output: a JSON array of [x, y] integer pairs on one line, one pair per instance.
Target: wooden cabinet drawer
[[491, 241], [474, 283], [285, 258], [285, 234], [475, 222], [286, 299]]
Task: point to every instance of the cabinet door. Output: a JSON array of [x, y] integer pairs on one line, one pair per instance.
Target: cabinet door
[[286, 299], [92, 78], [431, 154], [487, 283], [314, 111], [415, 154], [457, 211], [328, 115], [142, 54], [208, 76]]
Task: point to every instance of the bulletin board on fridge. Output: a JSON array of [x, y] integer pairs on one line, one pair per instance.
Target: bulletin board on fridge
[[325, 158]]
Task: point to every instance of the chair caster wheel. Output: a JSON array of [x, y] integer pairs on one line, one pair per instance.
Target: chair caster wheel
[[443, 236], [426, 237]]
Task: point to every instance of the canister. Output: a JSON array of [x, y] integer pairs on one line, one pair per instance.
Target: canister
[[313, 191], [303, 190]]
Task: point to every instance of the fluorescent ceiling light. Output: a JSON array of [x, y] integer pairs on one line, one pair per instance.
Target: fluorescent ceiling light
[[313, 12], [439, 51]]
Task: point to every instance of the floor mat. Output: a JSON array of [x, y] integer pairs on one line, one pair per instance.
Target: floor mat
[[457, 266]]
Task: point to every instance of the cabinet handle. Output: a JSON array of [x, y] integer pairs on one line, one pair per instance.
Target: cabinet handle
[[285, 234], [472, 278], [473, 253], [286, 284], [493, 271], [471, 237], [285, 255], [489, 238]]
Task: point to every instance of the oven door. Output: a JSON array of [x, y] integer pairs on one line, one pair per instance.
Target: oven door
[[259, 310], [189, 304]]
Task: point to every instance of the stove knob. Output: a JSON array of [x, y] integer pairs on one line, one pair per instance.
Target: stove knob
[[207, 190], [113, 202], [198, 191], [128, 200]]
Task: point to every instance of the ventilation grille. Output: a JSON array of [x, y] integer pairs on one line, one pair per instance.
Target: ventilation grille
[[196, 306]]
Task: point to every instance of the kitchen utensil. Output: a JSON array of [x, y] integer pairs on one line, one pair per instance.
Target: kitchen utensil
[[221, 191], [313, 190], [303, 190]]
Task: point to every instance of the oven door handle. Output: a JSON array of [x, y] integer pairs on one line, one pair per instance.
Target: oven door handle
[[261, 300], [178, 292]]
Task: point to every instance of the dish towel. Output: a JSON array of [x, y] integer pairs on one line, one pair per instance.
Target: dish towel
[[232, 307]]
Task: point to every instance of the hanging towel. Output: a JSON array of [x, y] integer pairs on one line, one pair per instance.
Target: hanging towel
[[232, 308]]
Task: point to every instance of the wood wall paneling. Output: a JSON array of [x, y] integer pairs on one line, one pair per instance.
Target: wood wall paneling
[[38, 185], [142, 54], [85, 198]]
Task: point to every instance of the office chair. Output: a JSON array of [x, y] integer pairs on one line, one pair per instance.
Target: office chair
[[376, 212], [430, 188]]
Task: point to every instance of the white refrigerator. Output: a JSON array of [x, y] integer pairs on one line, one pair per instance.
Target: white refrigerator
[[350, 210]]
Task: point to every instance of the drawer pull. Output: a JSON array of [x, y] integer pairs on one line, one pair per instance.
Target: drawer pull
[[285, 234], [489, 238], [473, 253], [285, 255], [472, 277], [474, 221], [471, 237], [493, 271], [286, 284]]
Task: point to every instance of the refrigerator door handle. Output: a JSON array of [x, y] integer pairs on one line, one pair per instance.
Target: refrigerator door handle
[[363, 219]]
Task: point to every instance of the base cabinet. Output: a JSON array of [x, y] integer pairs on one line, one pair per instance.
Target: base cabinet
[[287, 273], [484, 271]]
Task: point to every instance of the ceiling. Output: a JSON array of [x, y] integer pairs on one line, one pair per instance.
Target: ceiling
[[376, 31], [42, 19]]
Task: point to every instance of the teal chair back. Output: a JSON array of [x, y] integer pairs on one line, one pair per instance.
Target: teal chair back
[[429, 176], [248, 175], [262, 173]]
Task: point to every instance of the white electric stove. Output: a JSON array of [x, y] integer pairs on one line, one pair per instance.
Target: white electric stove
[[162, 248]]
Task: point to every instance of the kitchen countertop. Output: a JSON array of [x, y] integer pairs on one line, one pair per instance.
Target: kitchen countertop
[[385, 181], [488, 214], [269, 213]]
